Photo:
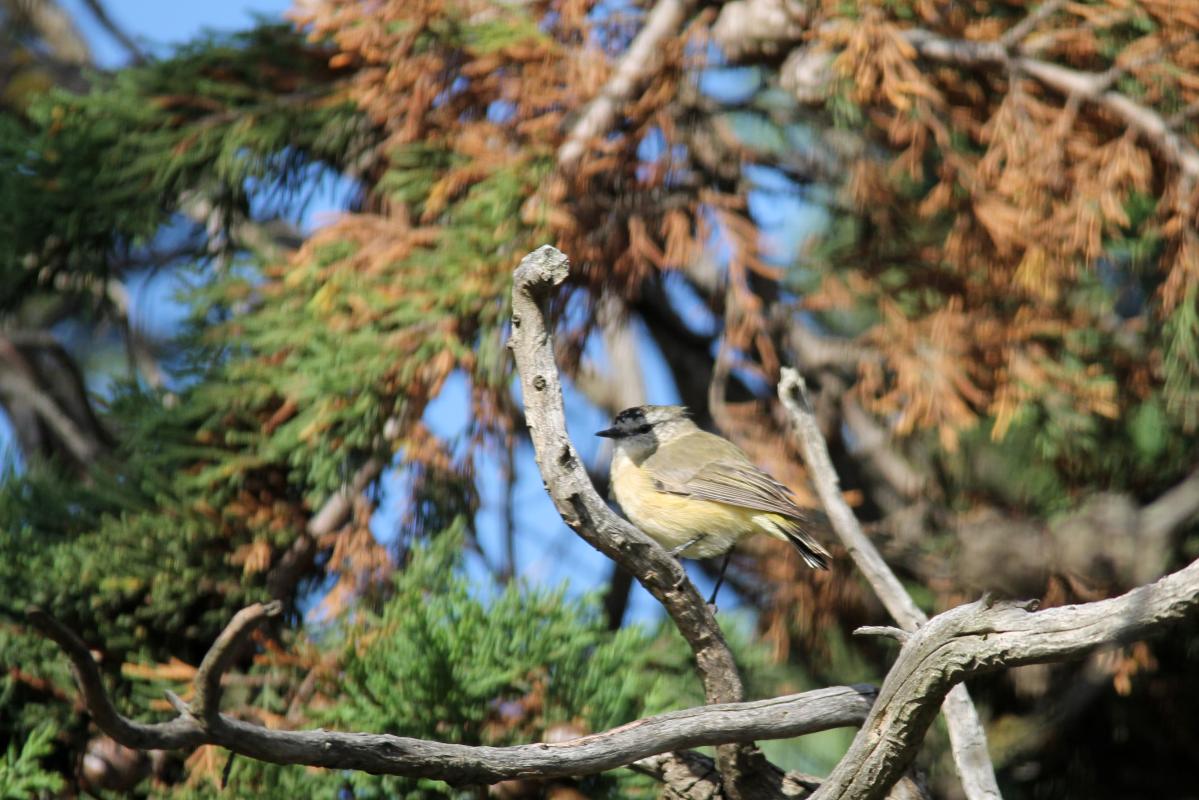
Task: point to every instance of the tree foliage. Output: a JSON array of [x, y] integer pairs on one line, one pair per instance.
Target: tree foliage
[[999, 305]]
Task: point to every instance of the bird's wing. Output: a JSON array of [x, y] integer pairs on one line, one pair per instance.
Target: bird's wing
[[707, 467]]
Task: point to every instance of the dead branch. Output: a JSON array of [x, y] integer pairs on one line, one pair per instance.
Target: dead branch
[[935, 657], [106, 21], [691, 776], [978, 638], [202, 723], [589, 516], [637, 64], [967, 738]]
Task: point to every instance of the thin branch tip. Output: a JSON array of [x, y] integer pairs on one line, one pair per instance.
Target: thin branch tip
[[178, 703], [888, 631]]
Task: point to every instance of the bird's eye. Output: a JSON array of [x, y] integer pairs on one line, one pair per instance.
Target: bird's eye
[[644, 429]]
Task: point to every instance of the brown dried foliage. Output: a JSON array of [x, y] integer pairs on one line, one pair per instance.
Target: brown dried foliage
[[1034, 187]]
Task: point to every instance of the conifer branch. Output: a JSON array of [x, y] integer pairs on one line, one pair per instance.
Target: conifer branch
[[967, 738], [1093, 87], [1090, 86]]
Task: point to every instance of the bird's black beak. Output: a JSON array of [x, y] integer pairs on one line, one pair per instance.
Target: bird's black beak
[[608, 433]]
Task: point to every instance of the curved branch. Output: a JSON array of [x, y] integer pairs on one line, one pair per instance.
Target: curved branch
[[182, 733], [779, 717], [978, 638], [589, 516], [220, 657], [967, 737]]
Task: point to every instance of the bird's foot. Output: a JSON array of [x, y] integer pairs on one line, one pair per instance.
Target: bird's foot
[[676, 551]]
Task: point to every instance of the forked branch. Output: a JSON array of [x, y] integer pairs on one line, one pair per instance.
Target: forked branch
[[202, 723], [978, 638], [967, 737], [588, 515]]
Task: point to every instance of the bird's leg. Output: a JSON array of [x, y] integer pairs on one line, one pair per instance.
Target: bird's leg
[[675, 551], [724, 565]]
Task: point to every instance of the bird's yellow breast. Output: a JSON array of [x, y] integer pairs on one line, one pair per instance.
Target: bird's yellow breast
[[673, 519]]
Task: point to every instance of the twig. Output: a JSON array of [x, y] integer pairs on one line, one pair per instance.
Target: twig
[[898, 634], [218, 659], [1015, 34], [638, 62], [282, 577], [589, 516], [116, 31], [967, 738], [19, 383], [978, 638]]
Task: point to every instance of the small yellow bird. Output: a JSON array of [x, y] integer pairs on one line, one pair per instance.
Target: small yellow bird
[[696, 493]]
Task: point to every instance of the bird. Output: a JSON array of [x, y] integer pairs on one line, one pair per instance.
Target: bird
[[697, 494]]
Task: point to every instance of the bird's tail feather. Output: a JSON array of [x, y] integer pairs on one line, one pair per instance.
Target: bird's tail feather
[[811, 551]]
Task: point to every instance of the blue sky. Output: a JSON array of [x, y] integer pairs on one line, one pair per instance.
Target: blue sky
[[156, 25], [547, 552]]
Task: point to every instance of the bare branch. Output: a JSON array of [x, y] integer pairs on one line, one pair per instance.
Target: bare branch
[[589, 516], [181, 733], [967, 738], [55, 27], [637, 64], [1015, 34], [898, 634], [336, 510], [219, 658], [59, 400], [890, 591], [779, 717], [978, 638], [115, 31], [1165, 515]]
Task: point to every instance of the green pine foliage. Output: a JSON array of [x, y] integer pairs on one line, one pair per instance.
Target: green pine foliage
[[445, 659], [21, 774], [137, 555], [87, 176]]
